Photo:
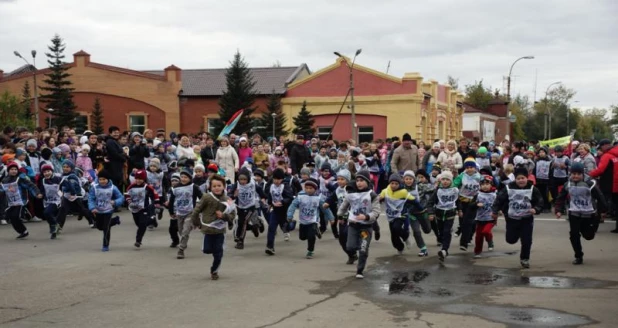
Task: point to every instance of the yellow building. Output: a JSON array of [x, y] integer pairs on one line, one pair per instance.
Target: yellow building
[[385, 105]]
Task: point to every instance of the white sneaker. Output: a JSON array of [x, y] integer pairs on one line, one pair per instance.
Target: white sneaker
[[286, 237], [3, 222], [359, 276], [35, 219], [408, 243], [477, 256]]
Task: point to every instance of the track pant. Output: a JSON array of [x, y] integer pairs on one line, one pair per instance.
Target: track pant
[[184, 227], [76, 206], [49, 214], [213, 244], [554, 184], [434, 227], [173, 231], [275, 220], [13, 214], [240, 230], [543, 186], [467, 224], [104, 223], [142, 220], [582, 227], [483, 233], [445, 227], [343, 237], [359, 239], [308, 232], [520, 229], [399, 233], [419, 225]]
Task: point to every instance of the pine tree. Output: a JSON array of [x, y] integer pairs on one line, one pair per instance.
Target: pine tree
[[239, 94], [27, 101], [58, 86], [304, 122], [273, 106], [97, 117]]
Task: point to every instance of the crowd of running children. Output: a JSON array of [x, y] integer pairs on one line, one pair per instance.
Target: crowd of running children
[[346, 199]]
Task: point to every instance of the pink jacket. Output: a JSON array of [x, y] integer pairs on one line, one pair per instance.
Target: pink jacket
[[243, 154], [84, 163]]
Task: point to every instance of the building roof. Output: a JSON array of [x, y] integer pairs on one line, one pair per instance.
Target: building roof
[[26, 68], [470, 109], [211, 82]]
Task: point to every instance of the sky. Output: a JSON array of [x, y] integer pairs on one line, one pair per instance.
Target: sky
[[574, 42]]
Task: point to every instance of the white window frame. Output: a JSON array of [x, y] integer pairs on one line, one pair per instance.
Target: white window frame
[[325, 134], [360, 133]]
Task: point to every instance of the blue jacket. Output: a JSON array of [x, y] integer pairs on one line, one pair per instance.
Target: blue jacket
[[71, 185], [328, 215], [25, 186], [117, 197]]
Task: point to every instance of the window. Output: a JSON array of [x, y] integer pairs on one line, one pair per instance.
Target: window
[[365, 134], [210, 128], [137, 123], [81, 124], [324, 132]]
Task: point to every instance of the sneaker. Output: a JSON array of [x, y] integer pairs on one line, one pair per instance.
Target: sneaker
[[23, 235], [408, 243], [181, 254], [377, 235], [230, 225], [59, 230], [286, 236], [423, 253], [214, 276], [105, 249], [463, 248], [261, 227], [173, 245], [255, 230], [352, 259], [318, 233], [3, 222], [458, 232], [92, 226], [116, 220], [239, 245], [270, 251], [137, 245], [359, 276], [442, 255], [490, 245], [578, 261], [400, 252], [53, 235], [80, 217], [525, 264], [309, 255], [477, 255], [35, 219], [614, 231], [470, 244]]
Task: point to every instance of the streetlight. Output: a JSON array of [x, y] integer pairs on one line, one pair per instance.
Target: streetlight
[[508, 94], [50, 111], [36, 88], [353, 113], [274, 115], [547, 112]]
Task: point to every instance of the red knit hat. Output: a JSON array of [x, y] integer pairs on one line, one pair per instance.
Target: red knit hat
[[140, 174]]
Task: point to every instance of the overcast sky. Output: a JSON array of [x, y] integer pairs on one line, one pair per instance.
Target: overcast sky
[[575, 42]]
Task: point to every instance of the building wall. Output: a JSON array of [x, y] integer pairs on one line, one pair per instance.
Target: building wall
[[342, 130], [195, 111]]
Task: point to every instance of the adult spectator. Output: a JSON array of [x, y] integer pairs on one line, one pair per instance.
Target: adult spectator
[[517, 149], [464, 149], [227, 159], [299, 155], [209, 152], [244, 150], [450, 158], [184, 149], [431, 157], [138, 152], [116, 157], [405, 157], [607, 172], [584, 156]]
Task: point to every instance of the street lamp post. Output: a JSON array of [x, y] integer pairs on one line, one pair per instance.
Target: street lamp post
[[508, 94], [548, 113], [49, 112], [36, 88], [352, 110], [274, 115]]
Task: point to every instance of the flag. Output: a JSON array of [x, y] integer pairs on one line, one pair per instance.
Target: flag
[[564, 141], [231, 123]]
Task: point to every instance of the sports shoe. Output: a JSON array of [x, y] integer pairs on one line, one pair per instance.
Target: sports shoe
[[173, 245], [377, 235], [255, 230], [400, 252], [525, 264], [458, 232], [239, 245], [352, 259], [490, 245], [181, 254], [318, 233], [270, 251], [463, 248], [309, 255], [408, 243], [578, 261], [23, 235], [359, 276], [423, 253], [105, 249], [3, 222], [470, 244], [35, 219], [116, 220], [92, 226], [137, 245], [477, 255], [214, 276], [261, 226], [286, 236], [80, 217], [442, 255]]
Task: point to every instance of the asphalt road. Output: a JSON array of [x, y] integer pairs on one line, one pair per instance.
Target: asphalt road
[[69, 282]]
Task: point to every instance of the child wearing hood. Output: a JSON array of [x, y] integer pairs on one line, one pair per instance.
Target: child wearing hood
[[442, 206], [83, 160], [16, 190], [332, 159], [56, 160], [334, 202], [468, 183], [103, 198], [399, 202], [154, 178], [247, 195], [417, 216], [73, 193], [326, 183]]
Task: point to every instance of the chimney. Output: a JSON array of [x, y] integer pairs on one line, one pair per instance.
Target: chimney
[[81, 58], [173, 73]]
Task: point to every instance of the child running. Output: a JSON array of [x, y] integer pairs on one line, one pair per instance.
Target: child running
[[279, 198], [484, 222], [142, 199], [181, 204], [49, 184], [442, 206], [334, 202], [468, 184], [417, 215], [103, 198], [247, 195], [16, 188]]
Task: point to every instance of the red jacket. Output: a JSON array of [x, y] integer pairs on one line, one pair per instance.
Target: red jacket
[[609, 161]]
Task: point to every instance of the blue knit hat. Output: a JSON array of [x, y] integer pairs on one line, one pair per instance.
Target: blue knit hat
[[69, 163]]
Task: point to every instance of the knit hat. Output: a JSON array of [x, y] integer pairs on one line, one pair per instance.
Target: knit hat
[[482, 150], [487, 178], [423, 173], [436, 145], [85, 147], [257, 172], [10, 165], [278, 174], [135, 134], [140, 174], [344, 174], [19, 152], [469, 162], [244, 172], [47, 167], [83, 139], [31, 142], [577, 168], [520, 170], [446, 175], [186, 172], [69, 163], [312, 182], [311, 163], [154, 162], [175, 176], [104, 174], [406, 137], [326, 166], [57, 150], [199, 167], [364, 174], [156, 143], [7, 158], [485, 170], [213, 168], [305, 171], [409, 173], [64, 148], [396, 177], [437, 166]]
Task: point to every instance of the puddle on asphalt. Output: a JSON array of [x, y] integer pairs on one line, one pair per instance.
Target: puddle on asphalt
[[456, 286]]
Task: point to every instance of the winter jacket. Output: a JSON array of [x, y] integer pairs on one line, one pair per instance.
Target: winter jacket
[[84, 163], [299, 155], [244, 154], [204, 214], [428, 160], [208, 154], [228, 161], [502, 200], [94, 197], [598, 200], [405, 159], [373, 213], [185, 152], [450, 160], [137, 156], [25, 186], [607, 170]]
